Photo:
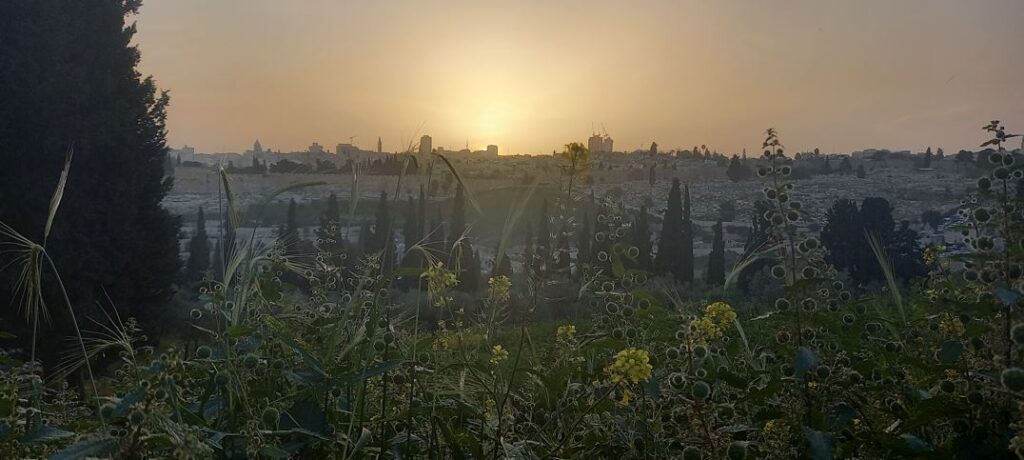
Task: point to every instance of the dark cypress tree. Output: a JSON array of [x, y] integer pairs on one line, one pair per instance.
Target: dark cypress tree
[[641, 239], [503, 267], [462, 248], [716, 260], [383, 241], [758, 239], [421, 214], [737, 171], [686, 258], [289, 235], [330, 242], [69, 79], [584, 241], [198, 250], [365, 238], [457, 226], [410, 234], [218, 261], [670, 245], [843, 236]]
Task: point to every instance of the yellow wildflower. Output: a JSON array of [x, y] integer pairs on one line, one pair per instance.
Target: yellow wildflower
[[631, 365], [717, 318], [498, 354], [566, 335], [951, 325], [499, 289]]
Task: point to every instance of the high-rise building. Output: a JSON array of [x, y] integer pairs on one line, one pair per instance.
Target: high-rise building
[[426, 145], [380, 146], [492, 150], [599, 144]]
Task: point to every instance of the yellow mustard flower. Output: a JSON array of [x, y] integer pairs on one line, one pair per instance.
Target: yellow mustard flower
[[566, 335], [717, 318], [499, 289], [631, 365]]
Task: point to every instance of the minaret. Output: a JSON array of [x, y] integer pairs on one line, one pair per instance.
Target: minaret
[[380, 147]]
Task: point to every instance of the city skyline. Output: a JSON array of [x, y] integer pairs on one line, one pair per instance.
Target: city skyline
[[531, 77]]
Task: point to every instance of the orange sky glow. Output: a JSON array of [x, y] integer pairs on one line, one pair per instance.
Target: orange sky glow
[[533, 75]]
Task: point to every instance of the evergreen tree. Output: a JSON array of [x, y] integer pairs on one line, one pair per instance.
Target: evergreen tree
[[69, 80], [410, 235], [218, 261], [198, 250], [457, 225], [330, 242], [503, 267], [686, 262], [845, 168], [845, 236], [584, 241], [670, 245], [383, 235], [716, 259], [289, 235], [737, 171], [842, 236], [641, 239], [758, 239]]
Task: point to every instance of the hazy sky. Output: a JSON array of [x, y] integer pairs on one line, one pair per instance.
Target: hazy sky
[[532, 75]]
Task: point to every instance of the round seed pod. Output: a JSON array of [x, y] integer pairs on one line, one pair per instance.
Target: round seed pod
[[271, 417], [204, 352], [737, 450], [1013, 378], [700, 390]]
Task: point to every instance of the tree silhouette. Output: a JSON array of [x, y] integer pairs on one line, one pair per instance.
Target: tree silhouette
[[716, 259], [686, 258], [69, 79], [670, 244], [199, 250]]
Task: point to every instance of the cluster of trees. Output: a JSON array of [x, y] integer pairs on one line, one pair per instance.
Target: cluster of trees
[[846, 235]]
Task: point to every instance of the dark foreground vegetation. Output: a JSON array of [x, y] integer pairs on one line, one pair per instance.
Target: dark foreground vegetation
[[603, 343]]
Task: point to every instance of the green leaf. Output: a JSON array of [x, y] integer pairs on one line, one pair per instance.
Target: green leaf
[[950, 351], [86, 448], [368, 373], [915, 443], [45, 433], [651, 388], [1007, 296], [274, 452], [805, 360], [820, 444]]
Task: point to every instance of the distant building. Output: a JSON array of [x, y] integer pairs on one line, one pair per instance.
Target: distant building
[[426, 145], [492, 150], [380, 146], [599, 144], [257, 147], [313, 148]]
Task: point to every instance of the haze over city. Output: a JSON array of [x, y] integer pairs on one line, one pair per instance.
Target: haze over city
[[529, 229], [531, 76]]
